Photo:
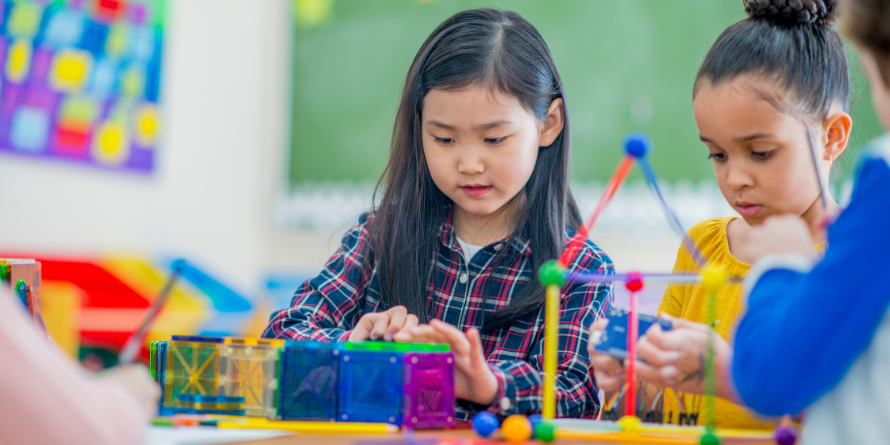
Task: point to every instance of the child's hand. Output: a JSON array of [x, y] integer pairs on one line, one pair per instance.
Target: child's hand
[[473, 380], [607, 370], [383, 325], [676, 358], [136, 380], [778, 235]]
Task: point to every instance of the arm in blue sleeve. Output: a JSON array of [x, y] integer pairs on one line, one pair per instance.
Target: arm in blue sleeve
[[802, 332]]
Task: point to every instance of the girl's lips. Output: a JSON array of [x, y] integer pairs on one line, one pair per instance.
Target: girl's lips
[[476, 191], [749, 210]]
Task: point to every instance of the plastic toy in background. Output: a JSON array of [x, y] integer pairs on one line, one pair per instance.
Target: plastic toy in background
[[93, 306], [22, 277], [82, 80], [379, 382], [554, 274]]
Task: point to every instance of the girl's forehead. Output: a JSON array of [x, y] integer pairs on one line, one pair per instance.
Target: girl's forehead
[[472, 107], [740, 108]]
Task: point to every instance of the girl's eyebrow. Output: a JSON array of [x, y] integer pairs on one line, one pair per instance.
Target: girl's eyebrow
[[747, 138], [752, 137], [488, 126]]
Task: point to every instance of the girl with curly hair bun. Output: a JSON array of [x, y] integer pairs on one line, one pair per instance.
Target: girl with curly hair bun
[[767, 83]]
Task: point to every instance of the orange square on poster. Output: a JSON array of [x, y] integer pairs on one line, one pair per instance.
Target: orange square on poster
[[72, 139]]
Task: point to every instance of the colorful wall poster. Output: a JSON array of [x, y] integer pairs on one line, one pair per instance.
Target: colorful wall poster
[[80, 80]]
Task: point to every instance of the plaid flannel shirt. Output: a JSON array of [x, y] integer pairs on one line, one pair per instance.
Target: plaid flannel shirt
[[327, 307]]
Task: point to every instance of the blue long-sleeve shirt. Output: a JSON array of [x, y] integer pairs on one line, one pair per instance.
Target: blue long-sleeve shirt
[[803, 330]]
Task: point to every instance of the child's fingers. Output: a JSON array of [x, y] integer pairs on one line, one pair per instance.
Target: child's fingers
[[411, 321], [653, 354], [379, 329], [608, 381], [605, 363], [596, 330], [419, 334], [398, 315], [663, 376], [680, 323], [477, 354], [453, 336]]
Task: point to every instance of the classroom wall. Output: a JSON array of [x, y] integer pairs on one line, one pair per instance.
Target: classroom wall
[[209, 199]]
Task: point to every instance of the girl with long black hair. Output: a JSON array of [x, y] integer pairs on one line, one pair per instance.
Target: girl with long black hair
[[474, 200]]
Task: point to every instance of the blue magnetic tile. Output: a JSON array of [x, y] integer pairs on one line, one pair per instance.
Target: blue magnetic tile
[[197, 338], [370, 387], [199, 398], [308, 384]]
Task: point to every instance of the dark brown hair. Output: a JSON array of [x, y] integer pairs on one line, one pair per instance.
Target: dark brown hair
[[790, 42], [867, 23], [501, 51]]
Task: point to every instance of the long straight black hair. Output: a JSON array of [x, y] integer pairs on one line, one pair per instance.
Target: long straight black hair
[[503, 52]]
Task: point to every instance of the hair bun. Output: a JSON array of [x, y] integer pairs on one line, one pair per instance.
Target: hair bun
[[800, 12]]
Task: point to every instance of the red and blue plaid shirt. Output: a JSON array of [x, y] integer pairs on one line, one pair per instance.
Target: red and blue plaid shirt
[[327, 307]]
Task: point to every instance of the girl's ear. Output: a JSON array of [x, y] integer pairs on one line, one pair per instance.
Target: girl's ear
[[837, 134], [553, 123]]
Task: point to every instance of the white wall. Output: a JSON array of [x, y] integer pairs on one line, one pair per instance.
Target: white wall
[[224, 98]]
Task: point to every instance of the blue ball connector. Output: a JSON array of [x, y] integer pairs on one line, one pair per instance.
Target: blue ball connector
[[637, 144], [484, 423]]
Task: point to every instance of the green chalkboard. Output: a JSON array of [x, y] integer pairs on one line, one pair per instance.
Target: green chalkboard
[[627, 65]]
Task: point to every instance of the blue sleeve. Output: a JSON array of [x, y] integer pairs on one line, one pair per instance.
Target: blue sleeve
[[803, 331]]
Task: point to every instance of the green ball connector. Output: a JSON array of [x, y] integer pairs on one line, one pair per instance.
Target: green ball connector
[[545, 432], [710, 439], [552, 273]]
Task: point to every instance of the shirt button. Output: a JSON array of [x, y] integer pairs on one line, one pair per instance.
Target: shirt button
[[505, 404], [498, 246], [463, 278]]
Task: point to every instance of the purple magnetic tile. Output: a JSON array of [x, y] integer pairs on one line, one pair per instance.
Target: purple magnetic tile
[[428, 390]]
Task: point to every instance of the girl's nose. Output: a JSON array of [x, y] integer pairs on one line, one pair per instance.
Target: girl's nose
[[738, 177], [470, 163]]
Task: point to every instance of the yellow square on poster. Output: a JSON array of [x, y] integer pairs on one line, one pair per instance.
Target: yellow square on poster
[[18, 61], [70, 70]]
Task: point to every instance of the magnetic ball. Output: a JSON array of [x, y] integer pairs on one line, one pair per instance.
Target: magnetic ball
[[516, 429], [545, 432], [485, 423], [634, 281], [535, 419], [637, 144], [552, 273], [786, 435], [629, 424], [709, 439]]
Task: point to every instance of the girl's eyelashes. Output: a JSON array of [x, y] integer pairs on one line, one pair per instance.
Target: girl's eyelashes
[[717, 156], [761, 154], [495, 141], [443, 141]]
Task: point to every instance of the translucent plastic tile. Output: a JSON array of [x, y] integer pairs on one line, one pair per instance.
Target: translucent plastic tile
[[428, 390], [251, 372], [192, 367], [309, 382], [370, 387]]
